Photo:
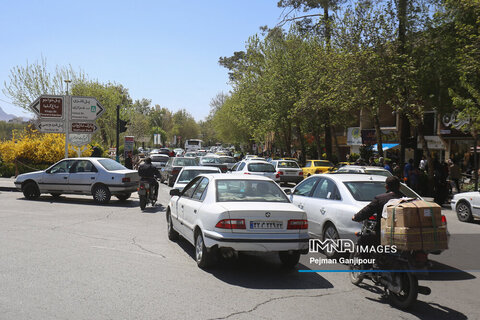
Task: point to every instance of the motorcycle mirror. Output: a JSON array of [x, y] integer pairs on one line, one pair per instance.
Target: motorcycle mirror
[[175, 192]]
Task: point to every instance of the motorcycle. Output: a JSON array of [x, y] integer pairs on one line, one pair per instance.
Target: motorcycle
[[146, 193], [401, 283]]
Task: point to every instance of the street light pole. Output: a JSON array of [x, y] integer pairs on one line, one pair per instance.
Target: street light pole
[[67, 115]]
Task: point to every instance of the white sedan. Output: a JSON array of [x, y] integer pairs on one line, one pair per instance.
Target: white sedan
[[188, 173], [230, 213], [331, 199], [467, 205], [100, 177]]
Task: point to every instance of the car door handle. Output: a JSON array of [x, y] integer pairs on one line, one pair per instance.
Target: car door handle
[[195, 211]]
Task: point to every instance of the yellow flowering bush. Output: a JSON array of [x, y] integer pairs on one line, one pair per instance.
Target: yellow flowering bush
[[33, 147]]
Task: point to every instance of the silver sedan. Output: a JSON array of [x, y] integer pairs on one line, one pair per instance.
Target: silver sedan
[[100, 177]]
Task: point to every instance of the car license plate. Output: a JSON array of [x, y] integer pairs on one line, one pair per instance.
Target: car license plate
[[266, 225]]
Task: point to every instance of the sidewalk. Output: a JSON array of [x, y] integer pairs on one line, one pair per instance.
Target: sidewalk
[[6, 184]]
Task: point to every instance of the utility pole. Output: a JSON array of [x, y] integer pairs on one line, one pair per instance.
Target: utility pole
[[67, 107]]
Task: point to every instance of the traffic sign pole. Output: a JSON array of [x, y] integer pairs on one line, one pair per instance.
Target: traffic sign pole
[[68, 101]]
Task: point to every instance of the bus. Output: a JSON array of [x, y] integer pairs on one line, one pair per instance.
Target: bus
[[193, 145]]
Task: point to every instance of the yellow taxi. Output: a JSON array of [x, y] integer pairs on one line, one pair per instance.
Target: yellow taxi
[[316, 166]]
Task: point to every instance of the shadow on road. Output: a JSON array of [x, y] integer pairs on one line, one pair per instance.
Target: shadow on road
[[260, 271], [451, 274], [114, 202], [158, 208], [421, 310]]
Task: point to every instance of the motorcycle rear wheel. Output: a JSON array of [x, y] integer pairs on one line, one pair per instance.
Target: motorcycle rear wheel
[[409, 293]]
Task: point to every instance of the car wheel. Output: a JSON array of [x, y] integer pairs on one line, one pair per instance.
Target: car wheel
[[202, 256], [330, 232], [464, 213], [172, 234], [30, 191], [289, 259], [101, 194], [56, 195], [124, 197]]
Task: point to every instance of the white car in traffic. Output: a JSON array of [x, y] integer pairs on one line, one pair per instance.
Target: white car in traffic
[[256, 167], [187, 174], [467, 205], [220, 213], [331, 199]]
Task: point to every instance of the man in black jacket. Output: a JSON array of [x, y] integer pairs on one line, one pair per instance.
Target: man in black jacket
[[148, 172], [376, 207]]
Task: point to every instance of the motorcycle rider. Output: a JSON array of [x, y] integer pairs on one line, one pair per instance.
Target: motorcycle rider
[[149, 172], [392, 185]]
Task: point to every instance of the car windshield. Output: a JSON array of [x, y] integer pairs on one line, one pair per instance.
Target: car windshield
[[111, 165], [288, 164], [187, 175], [249, 191], [185, 162], [261, 167], [210, 160], [227, 160], [323, 164], [367, 190], [159, 159]]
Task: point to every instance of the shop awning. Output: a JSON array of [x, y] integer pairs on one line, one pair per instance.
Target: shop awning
[[385, 146]]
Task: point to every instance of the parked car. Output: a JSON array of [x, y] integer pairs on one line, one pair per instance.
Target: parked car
[[172, 168], [330, 201], [316, 166], [188, 173], [365, 169], [467, 205], [179, 152], [256, 167], [288, 170], [159, 160], [219, 213], [190, 154], [212, 160], [99, 177]]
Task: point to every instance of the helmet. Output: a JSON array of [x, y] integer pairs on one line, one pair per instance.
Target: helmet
[[148, 160]]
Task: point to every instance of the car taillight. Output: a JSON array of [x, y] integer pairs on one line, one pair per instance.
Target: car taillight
[[125, 179], [277, 176], [231, 224], [372, 218], [280, 173], [444, 220], [300, 173], [246, 172], [297, 224], [223, 170]]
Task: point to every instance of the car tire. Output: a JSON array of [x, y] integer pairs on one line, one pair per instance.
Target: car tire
[[464, 212], [55, 195], [172, 234], [30, 191], [124, 197], [330, 232], [101, 194], [202, 256], [289, 259]]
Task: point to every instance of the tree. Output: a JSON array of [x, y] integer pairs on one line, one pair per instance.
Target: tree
[[27, 83]]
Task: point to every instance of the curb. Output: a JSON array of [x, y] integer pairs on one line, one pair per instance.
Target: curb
[[8, 189]]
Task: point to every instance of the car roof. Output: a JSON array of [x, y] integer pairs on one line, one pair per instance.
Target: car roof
[[341, 177], [363, 168], [224, 176], [213, 169]]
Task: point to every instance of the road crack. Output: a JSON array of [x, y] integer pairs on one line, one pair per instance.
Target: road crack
[[280, 298], [134, 242], [81, 222]]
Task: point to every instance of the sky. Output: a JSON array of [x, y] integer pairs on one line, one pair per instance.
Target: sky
[[166, 51]]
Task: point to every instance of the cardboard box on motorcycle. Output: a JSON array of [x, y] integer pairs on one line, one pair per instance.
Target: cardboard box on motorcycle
[[414, 225]]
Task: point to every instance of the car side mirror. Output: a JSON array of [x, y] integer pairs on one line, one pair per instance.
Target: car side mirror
[[288, 191], [175, 192]]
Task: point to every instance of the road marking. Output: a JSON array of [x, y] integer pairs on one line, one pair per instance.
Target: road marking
[[128, 251]]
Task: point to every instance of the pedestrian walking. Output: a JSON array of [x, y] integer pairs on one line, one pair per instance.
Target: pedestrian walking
[[454, 175]]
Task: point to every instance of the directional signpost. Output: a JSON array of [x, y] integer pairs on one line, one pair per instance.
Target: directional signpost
[[72, 115]]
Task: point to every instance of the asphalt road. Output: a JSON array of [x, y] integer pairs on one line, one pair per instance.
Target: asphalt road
[[72, 259]]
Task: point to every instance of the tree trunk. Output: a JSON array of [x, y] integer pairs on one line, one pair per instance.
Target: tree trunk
[[402, 31], [318, 141], [337, 146], [378, 133], [302, 144]]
